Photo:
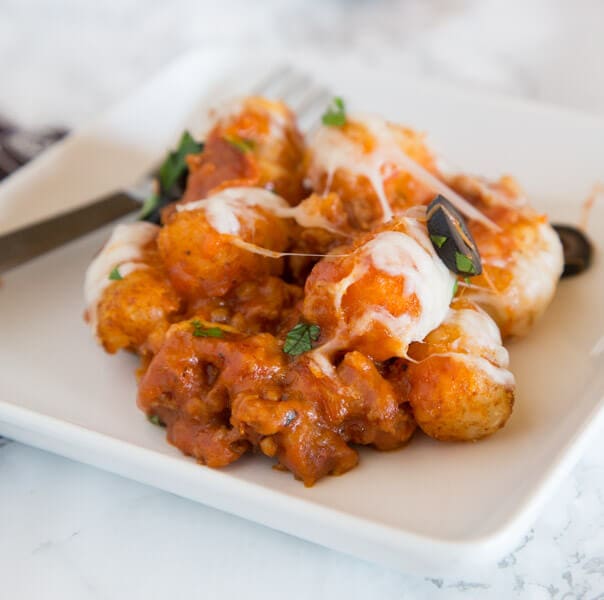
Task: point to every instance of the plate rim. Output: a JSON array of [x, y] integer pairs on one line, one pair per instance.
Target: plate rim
[[484, 546]]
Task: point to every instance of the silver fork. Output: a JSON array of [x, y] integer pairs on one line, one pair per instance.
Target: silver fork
[[286, 83]]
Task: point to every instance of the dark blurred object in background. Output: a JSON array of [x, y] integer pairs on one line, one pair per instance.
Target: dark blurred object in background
[[18, 146]]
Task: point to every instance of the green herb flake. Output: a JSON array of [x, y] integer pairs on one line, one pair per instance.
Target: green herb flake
[[300, 338], [464, 264], [115, 274], [175, 164], [466, 280], [242, 144], [335, 115], [455, 287], [150, 204], [170, 178], [200, 331], [438, 240], [155, 420]]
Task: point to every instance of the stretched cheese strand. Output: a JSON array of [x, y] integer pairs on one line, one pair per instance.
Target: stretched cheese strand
[[479, 333], [225, 209], [333, 150], [495, 196], [479, 344]]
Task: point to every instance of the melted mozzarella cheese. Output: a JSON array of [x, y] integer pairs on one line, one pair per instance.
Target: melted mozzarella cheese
[[479, 344], [332, 150], [226, 209], [124, 250], [498, 375], [535, 273], [479, 335], [489, 193], [409, 257], [538, 274]]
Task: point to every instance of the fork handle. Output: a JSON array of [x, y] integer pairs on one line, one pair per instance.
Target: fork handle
[[17, 247]]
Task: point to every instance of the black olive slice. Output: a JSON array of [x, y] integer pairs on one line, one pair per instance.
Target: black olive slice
[[451, 239], [578, 250]]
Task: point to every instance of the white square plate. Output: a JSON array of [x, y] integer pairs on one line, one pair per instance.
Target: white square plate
[[430, 507]]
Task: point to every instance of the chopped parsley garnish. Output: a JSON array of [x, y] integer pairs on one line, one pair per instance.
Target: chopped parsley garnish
[[155, 420], [200, 331], [464, 264], [466, 280], [438, 240], [455, 287], [149, 205], [242, 144], [335, 115], [175, 164], [115, 274], [300, 338], [170, 177]]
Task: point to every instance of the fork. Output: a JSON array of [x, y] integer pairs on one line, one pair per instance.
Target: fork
[[295, 88]]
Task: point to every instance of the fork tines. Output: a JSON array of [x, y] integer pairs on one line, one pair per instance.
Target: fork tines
[[298, 90]]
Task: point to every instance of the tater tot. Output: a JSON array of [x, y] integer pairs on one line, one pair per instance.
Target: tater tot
[[377, 296], [135, 313], [459, 385], [255, 142], [366, 162], [522, 262], [300, 301], [198, 244], [130, 302]]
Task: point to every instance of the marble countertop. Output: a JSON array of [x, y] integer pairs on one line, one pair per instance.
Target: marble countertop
[[71, 531]]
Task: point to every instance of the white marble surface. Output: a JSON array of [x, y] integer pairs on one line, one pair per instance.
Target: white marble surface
[[70, 531]]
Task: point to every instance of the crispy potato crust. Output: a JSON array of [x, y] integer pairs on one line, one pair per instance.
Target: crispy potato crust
[[209, 299]]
